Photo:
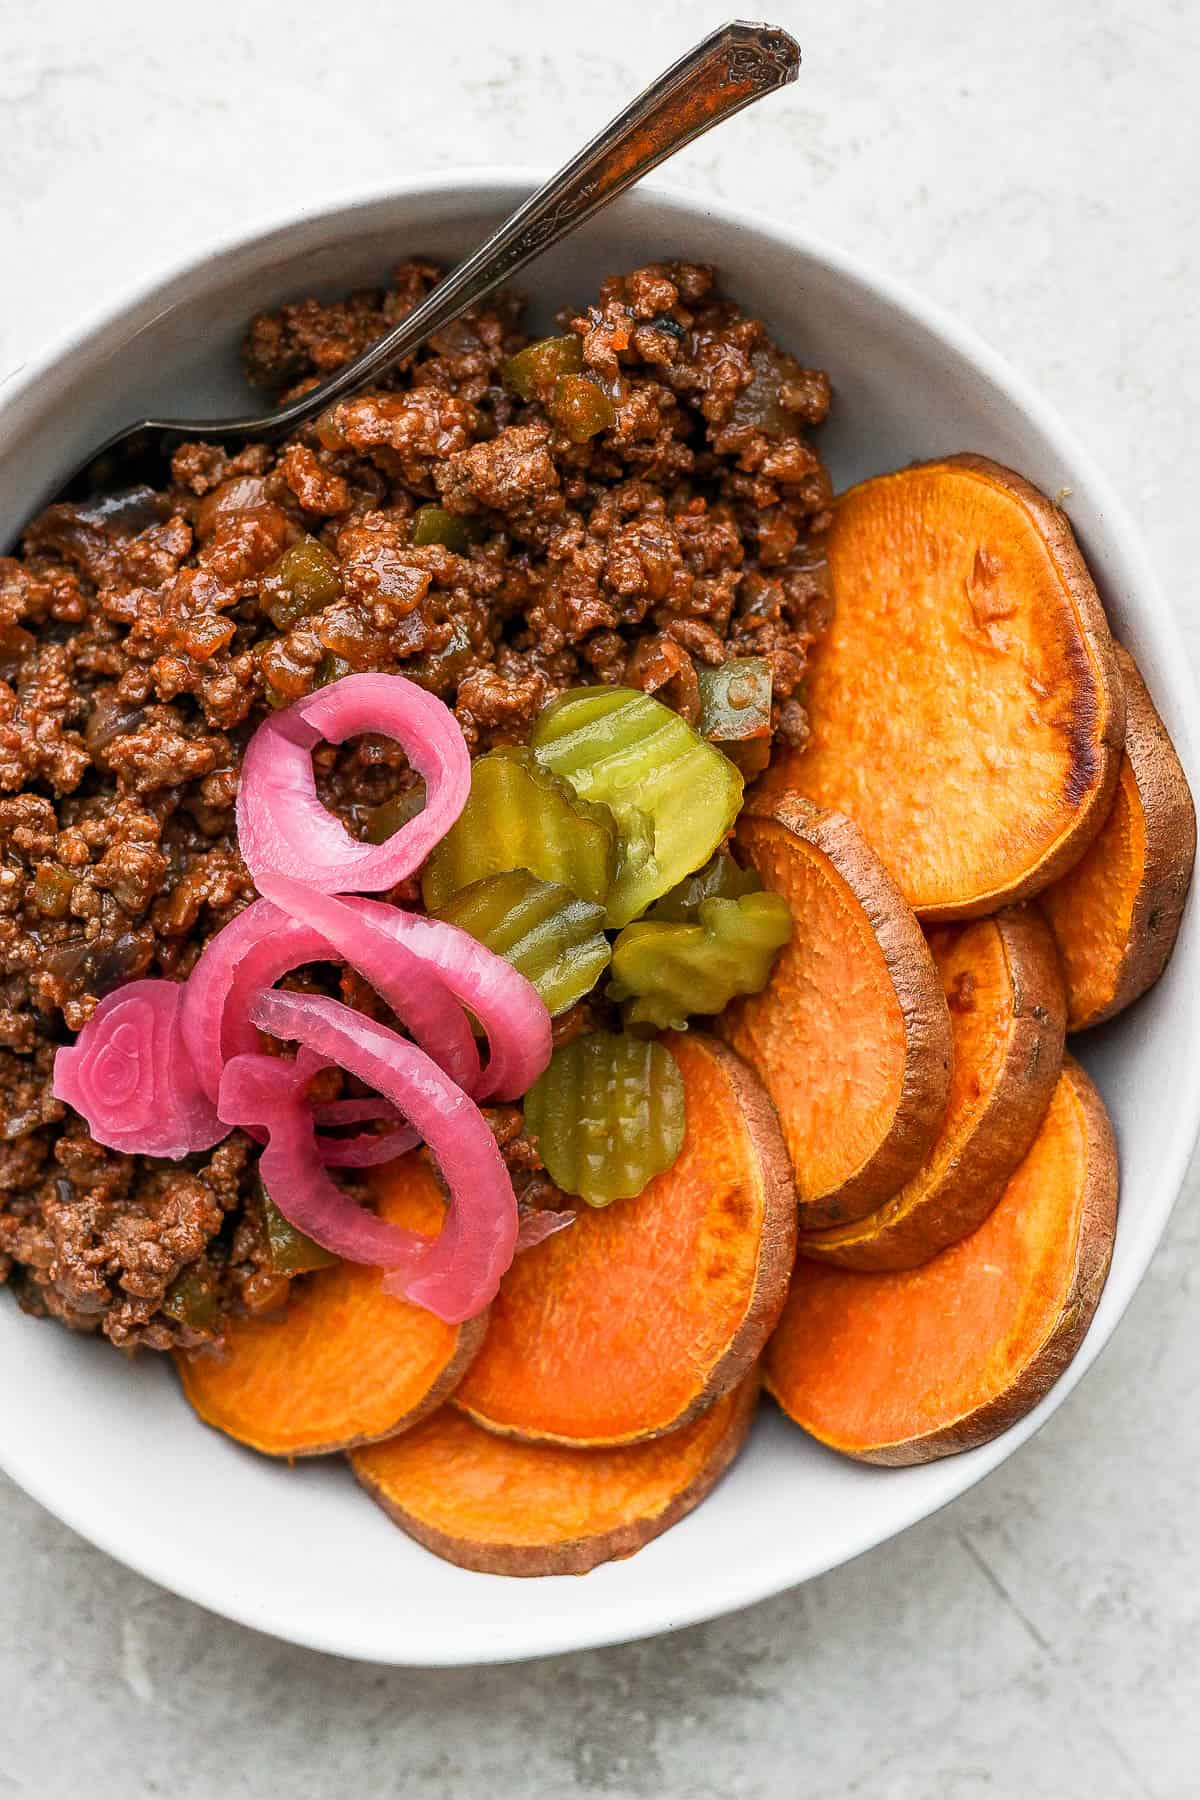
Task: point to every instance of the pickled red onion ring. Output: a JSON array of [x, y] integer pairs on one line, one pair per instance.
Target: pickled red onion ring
[[351, 1112], [255, 949], [168, 1068], [212, 1029], [383, 941], [282, 827], [510, 1009], [263, 1092], [536, 1223], [368, 1148], [356, 932], [130, 1076], [366, 1151], [454, 1275], [266, 942]]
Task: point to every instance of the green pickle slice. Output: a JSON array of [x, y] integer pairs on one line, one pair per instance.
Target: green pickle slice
[[735, 711], [548, 934], [519, 815], [608, 1114], [662, 972], [628, 750], [720, 879]]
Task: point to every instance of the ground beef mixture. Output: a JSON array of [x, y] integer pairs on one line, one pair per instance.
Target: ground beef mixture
[[143, 636]]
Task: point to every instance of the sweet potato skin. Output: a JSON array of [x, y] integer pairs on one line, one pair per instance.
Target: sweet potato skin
[[1090, 1256], [1069, 708], [777, 1242], [978, 1148], [1093, 1258], [344, 1310], [763, 1027], [611, 1333], [1151, 824], [702, 1451]]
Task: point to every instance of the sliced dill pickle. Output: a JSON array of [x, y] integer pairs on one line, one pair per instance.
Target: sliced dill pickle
[[522, 816], [535, 369], [629, 750], [191, 1299], [664, 972], [735, 711], [720, 879], [548, 934], [434, 525], [289, 1252], [608, 1114], [635, 854]]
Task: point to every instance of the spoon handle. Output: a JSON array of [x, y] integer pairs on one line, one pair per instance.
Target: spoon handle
[[728, 70]]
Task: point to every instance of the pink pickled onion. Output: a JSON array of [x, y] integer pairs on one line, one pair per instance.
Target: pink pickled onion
[[162, 1069], [264, 1092], [251, 952], [510, 1009], [366, 1151], [130, 1076], [368, 1148], [212, 1029], [385, 942], [351, 1112], [266, 942], [536, 1223], [457, 1273], [283, 829], [424, 1004]]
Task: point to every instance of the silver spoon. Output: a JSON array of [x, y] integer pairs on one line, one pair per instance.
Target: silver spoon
[[728, 70]]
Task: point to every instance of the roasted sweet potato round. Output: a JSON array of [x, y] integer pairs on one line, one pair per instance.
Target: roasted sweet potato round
[[346, 1364], [507, 1508], [851, 1037], [915, 1364], [640, 1315], [1116, 914], [966, 704], [1008, 1016]]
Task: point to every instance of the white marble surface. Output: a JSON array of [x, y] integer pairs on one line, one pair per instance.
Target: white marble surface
[[1031, 165]]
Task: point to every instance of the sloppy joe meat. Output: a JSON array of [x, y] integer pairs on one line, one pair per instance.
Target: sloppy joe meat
[[145, 635]]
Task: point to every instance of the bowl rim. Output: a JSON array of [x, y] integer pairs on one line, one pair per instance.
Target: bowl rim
[[155, 292]]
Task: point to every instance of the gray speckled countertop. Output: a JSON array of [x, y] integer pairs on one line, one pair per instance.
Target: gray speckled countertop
[[1032, 166]]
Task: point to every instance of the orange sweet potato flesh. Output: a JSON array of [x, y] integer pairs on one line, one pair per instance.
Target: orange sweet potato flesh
[[1116, 914], [911, 1365], [1008, 1017], [508, 1508], [346, 1363], [851, 1037], [966, 706], [643, 1313]]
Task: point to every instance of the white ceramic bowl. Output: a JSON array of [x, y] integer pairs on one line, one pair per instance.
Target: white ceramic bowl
[[109, 1445]]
